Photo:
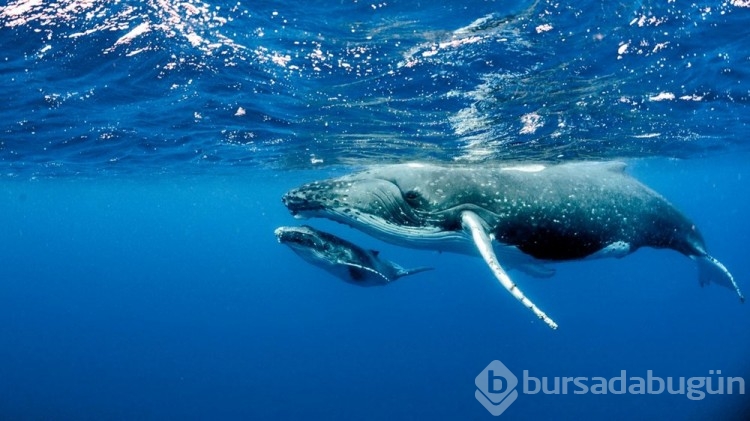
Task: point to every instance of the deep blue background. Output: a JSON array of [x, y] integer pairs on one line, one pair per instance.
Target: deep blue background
[[152, 298], [139, 274]]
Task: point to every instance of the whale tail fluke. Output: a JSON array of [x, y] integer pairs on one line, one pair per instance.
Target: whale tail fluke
[[711, 270]]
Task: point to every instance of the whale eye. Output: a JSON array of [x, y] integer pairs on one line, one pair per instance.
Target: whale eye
[[412, 196]]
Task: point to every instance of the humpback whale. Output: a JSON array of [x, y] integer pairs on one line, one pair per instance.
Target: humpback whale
[[344, 259], [515, 216]]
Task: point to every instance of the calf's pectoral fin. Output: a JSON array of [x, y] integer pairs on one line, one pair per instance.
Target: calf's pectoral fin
[[711, 270], [358, 273], [472, 223]]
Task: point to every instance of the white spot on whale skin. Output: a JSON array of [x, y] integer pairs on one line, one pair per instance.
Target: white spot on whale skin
[[415, 165], [525, 168]]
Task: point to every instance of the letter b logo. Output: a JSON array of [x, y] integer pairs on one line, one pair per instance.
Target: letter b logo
[[496, 384], [496, 388]]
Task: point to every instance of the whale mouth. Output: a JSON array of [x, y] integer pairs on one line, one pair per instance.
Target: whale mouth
[[279, 233], [300, 203], [297, 237], [286, 235]]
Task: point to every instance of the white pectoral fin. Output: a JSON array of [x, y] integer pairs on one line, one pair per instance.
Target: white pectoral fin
[[473, 224], [360, 273], [711, 270]]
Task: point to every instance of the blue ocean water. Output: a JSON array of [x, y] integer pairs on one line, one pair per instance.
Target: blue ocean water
[[145, 147]]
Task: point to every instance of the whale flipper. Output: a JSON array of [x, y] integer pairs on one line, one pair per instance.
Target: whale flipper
[[472, 223], [711, 270], [359, 273]]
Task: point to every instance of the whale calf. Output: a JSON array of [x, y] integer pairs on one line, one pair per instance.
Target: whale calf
[[344, 259], [514, 216]]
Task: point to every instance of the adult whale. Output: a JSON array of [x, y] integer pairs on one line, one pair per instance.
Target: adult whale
[[533, 213]]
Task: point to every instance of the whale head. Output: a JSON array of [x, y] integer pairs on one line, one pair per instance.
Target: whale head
[[404, 204], [302, 238]]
